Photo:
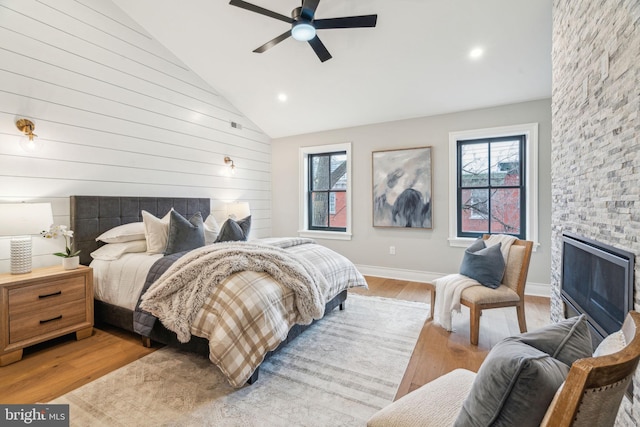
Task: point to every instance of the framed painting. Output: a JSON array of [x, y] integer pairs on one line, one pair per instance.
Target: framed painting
[[402, 188]]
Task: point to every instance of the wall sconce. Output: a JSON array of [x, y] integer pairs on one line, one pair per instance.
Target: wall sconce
[[232, 166], [29, 141]]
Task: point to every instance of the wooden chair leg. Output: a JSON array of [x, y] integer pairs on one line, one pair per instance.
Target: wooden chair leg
[[474, 332], [522, 321]]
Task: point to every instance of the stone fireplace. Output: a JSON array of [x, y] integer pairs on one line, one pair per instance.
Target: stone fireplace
[[595, 159]]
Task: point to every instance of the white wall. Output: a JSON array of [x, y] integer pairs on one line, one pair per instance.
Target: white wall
[[420, 254], [118, 115]]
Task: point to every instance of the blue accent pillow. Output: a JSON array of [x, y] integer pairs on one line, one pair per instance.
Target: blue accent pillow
[[235, 231], [184, 234], [484, 264]]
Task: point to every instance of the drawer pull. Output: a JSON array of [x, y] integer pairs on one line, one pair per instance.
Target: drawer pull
[[50, 295], [51, 320]]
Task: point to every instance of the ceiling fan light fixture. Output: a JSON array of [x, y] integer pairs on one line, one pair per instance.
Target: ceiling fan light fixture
[[303, 31]]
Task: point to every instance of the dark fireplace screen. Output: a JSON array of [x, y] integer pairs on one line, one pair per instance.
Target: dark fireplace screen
[[597, 280]]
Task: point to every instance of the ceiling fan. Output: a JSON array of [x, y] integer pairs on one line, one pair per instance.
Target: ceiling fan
[[304, 25]]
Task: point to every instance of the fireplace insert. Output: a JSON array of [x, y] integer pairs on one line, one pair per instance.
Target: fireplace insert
[[597, 280]]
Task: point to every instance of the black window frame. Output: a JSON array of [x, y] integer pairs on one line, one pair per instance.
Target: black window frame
[[311, 191], [522, 184]]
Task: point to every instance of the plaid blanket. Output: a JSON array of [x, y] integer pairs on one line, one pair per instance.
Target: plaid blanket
[[249, 313]]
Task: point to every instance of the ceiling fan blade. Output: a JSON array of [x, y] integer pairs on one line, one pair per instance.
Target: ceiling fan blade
[[272, 43], [262, 11], [320, 49], [346, 22], [309, 8]]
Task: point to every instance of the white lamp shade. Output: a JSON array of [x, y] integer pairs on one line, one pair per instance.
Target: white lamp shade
[[23, 219], [18, 219], [238, 210]]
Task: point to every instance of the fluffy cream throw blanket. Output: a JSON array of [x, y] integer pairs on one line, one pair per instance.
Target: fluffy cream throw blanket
[[177, 296]]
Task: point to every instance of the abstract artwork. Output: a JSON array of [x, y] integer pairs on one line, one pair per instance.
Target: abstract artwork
[[402, 188]]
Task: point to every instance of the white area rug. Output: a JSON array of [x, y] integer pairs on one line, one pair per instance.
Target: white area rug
[[337, 373]]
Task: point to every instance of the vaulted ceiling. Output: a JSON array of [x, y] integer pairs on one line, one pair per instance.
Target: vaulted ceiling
[[414, 63]]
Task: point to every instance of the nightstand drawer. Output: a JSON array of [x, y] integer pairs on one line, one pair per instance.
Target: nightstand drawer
[[36, 298], [53, 318]]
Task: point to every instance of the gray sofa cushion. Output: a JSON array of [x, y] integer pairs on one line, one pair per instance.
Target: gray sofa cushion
[[184, 234], [514, 387], [486, 265], [567, 340]]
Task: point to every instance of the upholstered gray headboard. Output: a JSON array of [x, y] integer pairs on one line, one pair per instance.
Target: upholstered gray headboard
[[93, 215]]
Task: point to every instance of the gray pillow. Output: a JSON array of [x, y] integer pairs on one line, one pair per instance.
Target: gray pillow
[[184, 235], [486, 265], [567, 340], [514, 387], [234, 231]]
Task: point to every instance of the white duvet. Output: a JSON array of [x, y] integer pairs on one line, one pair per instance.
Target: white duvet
[[120, 282]]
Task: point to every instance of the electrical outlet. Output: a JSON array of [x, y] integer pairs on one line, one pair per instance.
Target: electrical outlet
[[392, 250]]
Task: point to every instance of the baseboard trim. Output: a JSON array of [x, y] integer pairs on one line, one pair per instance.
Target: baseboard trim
[[532, 288]]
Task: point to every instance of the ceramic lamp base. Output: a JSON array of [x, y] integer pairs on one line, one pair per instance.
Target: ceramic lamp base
[[20, 255]]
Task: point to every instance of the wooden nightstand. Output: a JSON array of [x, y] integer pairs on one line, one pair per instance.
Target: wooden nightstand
[[41, 305]]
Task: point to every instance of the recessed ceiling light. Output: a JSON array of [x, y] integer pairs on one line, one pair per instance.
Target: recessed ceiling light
[[476, 53], [282, 97]]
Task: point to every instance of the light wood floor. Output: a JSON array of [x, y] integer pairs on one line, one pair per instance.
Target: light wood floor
[[51, 369], [438, 351]]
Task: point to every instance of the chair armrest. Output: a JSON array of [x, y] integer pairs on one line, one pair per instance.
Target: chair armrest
[[434, 404]]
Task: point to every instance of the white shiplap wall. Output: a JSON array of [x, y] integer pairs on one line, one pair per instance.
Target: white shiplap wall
[[118, 115]]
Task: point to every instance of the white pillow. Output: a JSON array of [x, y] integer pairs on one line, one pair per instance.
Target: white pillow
[[113, 251], [211, 230], [123, 233], [156, 232], [611, 344]]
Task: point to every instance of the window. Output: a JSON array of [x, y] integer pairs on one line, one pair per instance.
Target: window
[[491, 191], [325, 210], [326, 188], [493, 181]]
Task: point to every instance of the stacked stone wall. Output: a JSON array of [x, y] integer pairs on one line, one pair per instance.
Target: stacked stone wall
[[596, 137]]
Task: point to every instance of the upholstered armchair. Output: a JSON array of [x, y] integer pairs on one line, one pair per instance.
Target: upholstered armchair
[[526, 381]]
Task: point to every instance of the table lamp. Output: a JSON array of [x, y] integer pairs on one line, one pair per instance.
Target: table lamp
[[238, 210], [21, 220]]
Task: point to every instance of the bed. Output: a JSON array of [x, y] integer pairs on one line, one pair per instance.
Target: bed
[[93, 215]]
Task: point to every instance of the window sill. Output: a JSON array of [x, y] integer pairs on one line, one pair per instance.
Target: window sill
[[463, 242], [331, 235]]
